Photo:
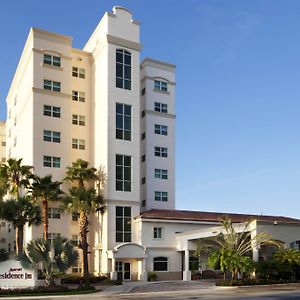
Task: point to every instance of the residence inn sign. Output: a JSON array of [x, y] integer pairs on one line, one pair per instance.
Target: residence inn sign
[[13, 275]]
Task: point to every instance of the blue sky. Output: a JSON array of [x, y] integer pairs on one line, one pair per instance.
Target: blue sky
[[238, 91]]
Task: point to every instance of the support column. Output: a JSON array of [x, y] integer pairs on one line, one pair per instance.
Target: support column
[[113, 273], [143, 272], [186, 272]]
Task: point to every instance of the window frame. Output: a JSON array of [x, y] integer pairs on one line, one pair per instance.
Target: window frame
[[161, 129], [78, 96], [51, 161], [122, 184], [160, 85], [161, 196], [161, 107], [124, 220], [161, 259], [161, 174], [160, 151], [78, 144], [53, 60], [158, 233], [51, 85], [78, 72], [124, 80], [122, 115]]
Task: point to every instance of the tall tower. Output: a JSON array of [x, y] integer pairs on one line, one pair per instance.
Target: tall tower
[[157, 135], [115, 48]]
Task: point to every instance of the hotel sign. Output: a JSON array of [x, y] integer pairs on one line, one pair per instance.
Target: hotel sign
[[13, 275]]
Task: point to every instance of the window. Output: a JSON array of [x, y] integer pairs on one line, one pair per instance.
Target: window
[[78, 120], [160, 263], [123, 69], [75, 216], [123, 173], [52, 111], [143, 114], [161, 151], [143, 203], [143, 158], [52, 236], [161, 129], [78, 96], [51, 136], [77, 269], [157, 233], [78, 72], [51, 85], [75, 239], [160, 107], [143, 135], [160, 85], [143, 180], [78, 144], [123, 224], [3, 160], [161, 173], [52, 60], [54, 213], [143, 91], [161, 196], [52, 161], [123, 121], [3, 144]]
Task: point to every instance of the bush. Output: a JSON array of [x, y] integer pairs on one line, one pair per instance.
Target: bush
[[247, 282], [275, 271], [74, 279], [152, 276], [37, 290]]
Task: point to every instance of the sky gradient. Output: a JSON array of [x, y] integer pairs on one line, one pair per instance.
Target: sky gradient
[[237, 93]]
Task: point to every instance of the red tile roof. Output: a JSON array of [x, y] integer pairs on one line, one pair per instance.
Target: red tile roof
[[186, 215]]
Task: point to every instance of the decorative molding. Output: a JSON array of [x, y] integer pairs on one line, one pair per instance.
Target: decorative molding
[[153, 78], [123, 43], [158, 64], [42, 51], [42, 33], [159, 114], [51, 93]]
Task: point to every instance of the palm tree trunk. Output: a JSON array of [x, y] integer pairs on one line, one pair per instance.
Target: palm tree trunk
[[19, 239], [83, 227], [45, 219]]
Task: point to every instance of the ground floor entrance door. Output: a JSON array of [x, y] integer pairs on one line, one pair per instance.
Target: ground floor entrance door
[[123, 270]]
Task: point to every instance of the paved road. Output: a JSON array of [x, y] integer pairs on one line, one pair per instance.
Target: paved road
[[189, 291]]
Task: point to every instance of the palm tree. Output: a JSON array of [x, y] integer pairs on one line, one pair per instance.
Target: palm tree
[[3, 255], [231, 245], [51, 258], [79, 173], [16, 174], [20, 212], [83, 201], [3, 181], [43, 190]]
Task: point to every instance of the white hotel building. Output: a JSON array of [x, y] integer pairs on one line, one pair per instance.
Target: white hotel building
[[103, 105]]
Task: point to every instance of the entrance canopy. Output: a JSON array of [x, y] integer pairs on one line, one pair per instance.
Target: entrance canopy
[[187, 240], [128, 250]]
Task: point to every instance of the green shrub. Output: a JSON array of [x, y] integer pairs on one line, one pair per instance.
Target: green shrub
[[152, 276], [74, 279]]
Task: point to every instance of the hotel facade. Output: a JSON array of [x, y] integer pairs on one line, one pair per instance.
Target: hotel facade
[[106, 106]]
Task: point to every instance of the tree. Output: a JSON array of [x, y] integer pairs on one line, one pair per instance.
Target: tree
[[51, 258], [83, 201], [79, 173], [16, 175], [43, 190], [3, 255], [20, 212], [233, 248]]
